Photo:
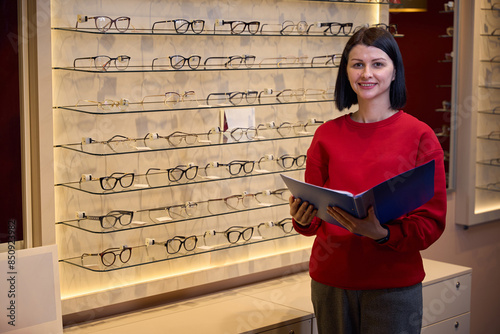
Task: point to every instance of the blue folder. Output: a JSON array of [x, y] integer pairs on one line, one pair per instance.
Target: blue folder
[[391, 199]]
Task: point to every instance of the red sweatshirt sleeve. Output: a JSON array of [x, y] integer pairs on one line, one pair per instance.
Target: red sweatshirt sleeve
[[422, 227]]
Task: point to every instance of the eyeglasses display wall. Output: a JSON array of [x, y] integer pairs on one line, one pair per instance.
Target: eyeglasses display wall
[[173, 122], [479, 197]]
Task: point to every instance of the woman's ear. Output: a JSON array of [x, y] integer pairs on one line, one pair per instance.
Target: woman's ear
[[394, 75]]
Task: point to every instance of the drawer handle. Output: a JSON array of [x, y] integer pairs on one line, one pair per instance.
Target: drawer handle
[[457, 324], [458, 285]]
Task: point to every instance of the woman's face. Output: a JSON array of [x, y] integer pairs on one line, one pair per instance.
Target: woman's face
[[370, 72]]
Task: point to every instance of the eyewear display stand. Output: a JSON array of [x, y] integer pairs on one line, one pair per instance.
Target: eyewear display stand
[[478, 190], [152, 182]]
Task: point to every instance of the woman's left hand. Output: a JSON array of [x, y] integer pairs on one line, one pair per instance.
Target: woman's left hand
[[369, 227]]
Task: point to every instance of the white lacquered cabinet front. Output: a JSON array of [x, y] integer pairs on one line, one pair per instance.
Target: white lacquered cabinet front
[[457, 325], [446, 299]]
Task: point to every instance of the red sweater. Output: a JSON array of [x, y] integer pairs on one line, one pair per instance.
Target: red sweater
[[351, 156]]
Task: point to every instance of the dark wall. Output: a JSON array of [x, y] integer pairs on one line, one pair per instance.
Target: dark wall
[[10, 128], [423, 48]]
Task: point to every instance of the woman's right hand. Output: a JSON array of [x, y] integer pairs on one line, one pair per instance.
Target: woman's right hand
[[302, 212]]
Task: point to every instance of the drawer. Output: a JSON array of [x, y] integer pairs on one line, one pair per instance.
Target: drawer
[[457, 325], [302, 327], [446, 299]]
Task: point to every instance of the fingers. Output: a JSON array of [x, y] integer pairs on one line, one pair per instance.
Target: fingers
[[341, 217], [302, 212]]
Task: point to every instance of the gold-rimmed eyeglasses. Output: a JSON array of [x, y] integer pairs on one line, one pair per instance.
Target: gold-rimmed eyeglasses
[[108, 104], [170, 99]]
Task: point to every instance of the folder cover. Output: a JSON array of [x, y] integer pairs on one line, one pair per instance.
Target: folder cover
[[391, 199]]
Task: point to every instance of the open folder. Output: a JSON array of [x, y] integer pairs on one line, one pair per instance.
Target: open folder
[[391, 199]]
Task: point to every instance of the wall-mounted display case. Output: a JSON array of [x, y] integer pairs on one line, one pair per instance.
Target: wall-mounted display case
[[169, 143], [478, 121]]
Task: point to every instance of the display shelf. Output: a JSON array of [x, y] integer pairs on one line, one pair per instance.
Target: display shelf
[[493, 187], [205, 33], [141, 252], [141, 183], [141, 145], [93, 226], [490, 162], [148, 69], [137, 107], [477, 198], [494, 111], [490, 86]]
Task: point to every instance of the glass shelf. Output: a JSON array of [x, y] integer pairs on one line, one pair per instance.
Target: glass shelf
[[495, 111], [137, 107], [148, 69], [489, 137], [206, 32], [93, 226], [486, 188], [141, 254], [491, 61], [442, 110], [489, 87], [443, 86], [491, 35], [161, 144], [141, 183], [490, 162]]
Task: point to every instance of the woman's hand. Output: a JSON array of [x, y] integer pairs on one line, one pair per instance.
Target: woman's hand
[[302, 213], [369, 227]]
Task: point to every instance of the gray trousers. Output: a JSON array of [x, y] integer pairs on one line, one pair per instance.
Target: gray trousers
[[384, 311]]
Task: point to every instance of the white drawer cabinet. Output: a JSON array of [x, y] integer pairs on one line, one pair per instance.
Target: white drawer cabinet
[[446, 299], [456, 325], [447, 296]]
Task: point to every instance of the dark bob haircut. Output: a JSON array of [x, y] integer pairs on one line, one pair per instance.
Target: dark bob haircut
[[380, 38]]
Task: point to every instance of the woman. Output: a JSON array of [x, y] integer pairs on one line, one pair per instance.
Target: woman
[[366, 277]]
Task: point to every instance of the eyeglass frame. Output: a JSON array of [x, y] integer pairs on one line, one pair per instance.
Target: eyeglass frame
[[246, 26], [190, 24], [329, 26], [181, 97], [295, 160], [117, 180], [330, 58], [177, 67], [169, 171], [231, 95], [123, 104], [181, 243], [83, 19], [110, 214], [106, 65], [296, 125], [229, 63], [241, 163], [111, 250]]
